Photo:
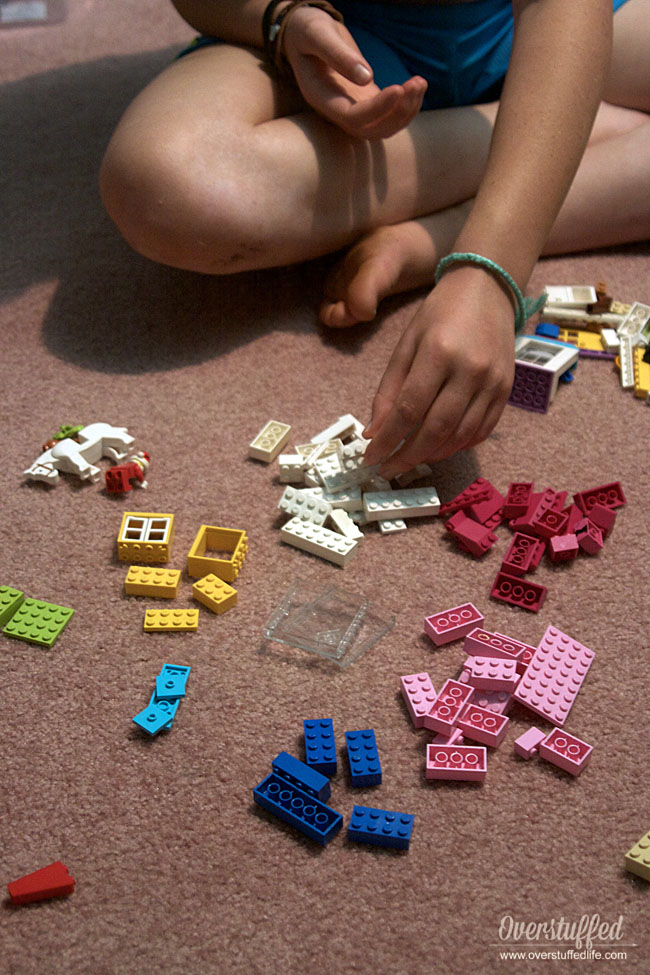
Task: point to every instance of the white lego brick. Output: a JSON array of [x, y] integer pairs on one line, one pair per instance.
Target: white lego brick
[[577, 296], [635, 323], [311, 481], [352, 454], [305, 506], [391, 525], [552, 357], [405, 503], [326, 468], [610, 340], [343, 524], [627, 363], [290, 469], [312, 451], [349, 500], [417, 473], [376, 482], [359, 517], [269, 441], [346, 426], [572, 317], [319, 541]]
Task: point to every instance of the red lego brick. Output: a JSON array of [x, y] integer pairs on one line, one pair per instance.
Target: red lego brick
[[473, 537], [486, 511], [523, 555], [576, 515], [549, 523], [603, 517], [539, 504], [609, 495], [478, 490], [518, 592], [517, 499], [52, 881], [590, 537], [563, 548]]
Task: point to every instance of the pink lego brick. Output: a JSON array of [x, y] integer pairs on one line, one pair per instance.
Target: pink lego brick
[[492, 673], [482, 643], [454, 738], [473, 537], [562, 548], [466, 762], [523, 555], [527, 744], [609, 495], [478, 490], [419, 695], [448, 706], [482, 725], [526, 656], [452, 624], [590, 537], [565, 751], [554, 676], [517, 499], [518, 592], [603, 517], [496, 701]]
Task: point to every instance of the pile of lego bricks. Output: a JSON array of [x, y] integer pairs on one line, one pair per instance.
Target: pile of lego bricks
[[498, 671], [332, 493], [296, 792], [541, 523]]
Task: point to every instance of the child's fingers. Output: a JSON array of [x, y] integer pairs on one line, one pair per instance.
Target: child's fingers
[[323, 39], [388, 117], [390, 384]]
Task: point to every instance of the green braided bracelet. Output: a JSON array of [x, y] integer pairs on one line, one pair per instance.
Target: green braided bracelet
[[525, 307]]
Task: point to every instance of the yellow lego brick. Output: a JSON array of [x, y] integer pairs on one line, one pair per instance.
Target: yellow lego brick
[[214, 593], [641, 373], [145, 536], [637, 860], [582, 338], [146, 581], [225, 541], [170, 620]]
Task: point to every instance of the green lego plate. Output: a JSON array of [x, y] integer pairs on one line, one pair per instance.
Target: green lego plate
[[38, 622], [10, 600]]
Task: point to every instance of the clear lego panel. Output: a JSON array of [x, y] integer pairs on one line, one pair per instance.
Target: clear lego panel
[[331, 622]]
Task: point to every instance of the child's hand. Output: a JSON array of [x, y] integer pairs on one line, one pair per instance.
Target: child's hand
[[336, 80], [449, 377]]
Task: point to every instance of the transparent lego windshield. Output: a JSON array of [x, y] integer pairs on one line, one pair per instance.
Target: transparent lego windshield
[[331, 622]]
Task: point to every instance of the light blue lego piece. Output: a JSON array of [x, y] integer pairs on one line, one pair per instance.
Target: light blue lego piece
[[153, 718], [170, 683]]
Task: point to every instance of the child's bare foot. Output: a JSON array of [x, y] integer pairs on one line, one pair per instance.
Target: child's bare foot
[[387, 261]]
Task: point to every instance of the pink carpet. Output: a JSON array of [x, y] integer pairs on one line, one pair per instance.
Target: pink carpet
[[177, 871]]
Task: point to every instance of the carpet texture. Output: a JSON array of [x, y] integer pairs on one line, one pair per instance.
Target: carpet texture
[[177, 871]]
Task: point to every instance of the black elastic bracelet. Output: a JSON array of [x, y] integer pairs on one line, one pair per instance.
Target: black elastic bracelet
[[267, 19]]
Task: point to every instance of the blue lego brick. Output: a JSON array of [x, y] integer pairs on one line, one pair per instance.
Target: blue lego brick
[[170, 683], [365, 767], [547, 330], [320, 748], [156, 716], [298, 808], [302, 775], [381, 827]]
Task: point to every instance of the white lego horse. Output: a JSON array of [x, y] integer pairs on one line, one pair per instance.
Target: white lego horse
[[94, 442]]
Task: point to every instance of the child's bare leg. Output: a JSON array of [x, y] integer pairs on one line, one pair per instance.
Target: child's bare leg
[[217, 168], [608, 203]]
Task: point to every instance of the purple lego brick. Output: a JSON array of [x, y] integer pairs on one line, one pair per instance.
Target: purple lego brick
[[466, 762], [448, 706], [554, 676], [518, 592], [419, 695], [482, 725], [532, 388], [566, 751], [452, 624]]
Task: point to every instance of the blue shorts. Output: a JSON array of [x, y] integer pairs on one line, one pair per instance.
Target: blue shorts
[[462, 49]]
